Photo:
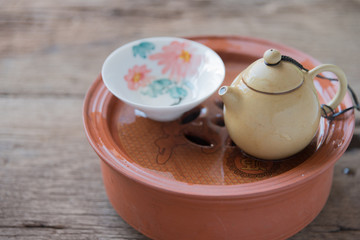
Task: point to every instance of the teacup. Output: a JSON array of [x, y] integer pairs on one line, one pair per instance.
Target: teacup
[[163, 77]]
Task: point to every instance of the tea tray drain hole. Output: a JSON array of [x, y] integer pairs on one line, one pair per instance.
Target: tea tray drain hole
[[219, 121], [197, 140], [191, 115]]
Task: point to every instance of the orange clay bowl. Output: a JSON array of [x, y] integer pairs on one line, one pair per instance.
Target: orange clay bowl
[[186, 180]]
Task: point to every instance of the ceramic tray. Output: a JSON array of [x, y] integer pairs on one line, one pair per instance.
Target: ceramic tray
[[194, 157]]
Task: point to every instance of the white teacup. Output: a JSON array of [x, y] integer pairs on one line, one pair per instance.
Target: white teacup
[[163, 76]]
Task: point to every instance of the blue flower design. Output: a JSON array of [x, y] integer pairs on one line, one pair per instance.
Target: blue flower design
[[143, 49], [165, 86], [157, 87], [177, 92]]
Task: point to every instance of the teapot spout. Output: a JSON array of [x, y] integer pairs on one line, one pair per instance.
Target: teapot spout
[[230, 96]]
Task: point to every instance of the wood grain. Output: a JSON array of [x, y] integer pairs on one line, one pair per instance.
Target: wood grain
[[50, 53]]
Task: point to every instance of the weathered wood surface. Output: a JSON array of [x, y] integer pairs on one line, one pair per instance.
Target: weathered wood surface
[[50, 53]]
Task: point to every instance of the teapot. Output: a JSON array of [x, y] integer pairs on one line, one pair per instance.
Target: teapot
[[272, 110]]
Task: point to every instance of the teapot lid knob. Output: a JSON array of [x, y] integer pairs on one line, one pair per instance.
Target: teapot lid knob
[[272, 57]]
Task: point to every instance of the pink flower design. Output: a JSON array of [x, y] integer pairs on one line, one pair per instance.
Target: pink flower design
[[178, 59], [138, 77]]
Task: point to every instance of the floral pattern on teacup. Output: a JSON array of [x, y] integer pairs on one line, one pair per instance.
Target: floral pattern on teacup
[[138, 76], [178, 61], [143, 49], [166, 86]]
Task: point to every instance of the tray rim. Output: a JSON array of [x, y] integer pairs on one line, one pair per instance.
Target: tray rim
[[288, 180]]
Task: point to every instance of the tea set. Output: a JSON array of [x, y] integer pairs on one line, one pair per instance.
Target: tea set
[[271, 109]]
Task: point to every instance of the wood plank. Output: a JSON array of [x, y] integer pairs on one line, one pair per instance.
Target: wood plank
[[69, 41], [50, 180]]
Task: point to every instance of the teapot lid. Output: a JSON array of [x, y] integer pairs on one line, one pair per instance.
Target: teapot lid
[[271, 75]]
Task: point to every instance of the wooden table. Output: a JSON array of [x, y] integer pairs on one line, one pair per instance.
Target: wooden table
[[51, 52]]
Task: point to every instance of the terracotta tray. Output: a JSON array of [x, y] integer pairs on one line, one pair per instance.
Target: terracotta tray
[[194, 158]]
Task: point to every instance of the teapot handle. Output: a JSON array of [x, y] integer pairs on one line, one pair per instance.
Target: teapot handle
[[340, 94]]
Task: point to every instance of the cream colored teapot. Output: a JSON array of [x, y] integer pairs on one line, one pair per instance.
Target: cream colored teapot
[[271, 109]]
